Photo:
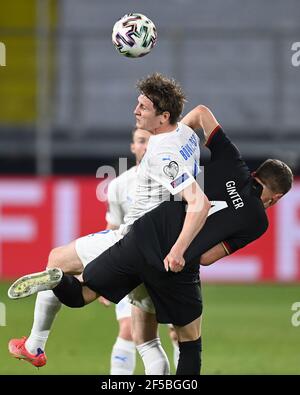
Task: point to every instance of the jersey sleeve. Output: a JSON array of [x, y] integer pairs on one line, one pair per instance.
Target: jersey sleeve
[[114, 214], [235, 243], [169, 170], [221, 147]]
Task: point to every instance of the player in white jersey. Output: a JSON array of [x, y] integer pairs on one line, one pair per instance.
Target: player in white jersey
[[168, 167], [120, 196]]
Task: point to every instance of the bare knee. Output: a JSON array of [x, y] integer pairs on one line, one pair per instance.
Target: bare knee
[[66, 259], [125, 328]]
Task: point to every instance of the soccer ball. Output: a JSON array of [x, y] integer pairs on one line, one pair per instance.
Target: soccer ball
[[134, 35]]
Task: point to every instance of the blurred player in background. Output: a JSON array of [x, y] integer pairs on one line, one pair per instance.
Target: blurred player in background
[[120, 196]]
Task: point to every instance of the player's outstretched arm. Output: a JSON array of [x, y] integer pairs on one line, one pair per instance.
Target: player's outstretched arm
[[201, 117]]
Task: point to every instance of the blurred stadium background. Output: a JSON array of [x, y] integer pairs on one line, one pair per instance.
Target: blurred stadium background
[[66, 108]]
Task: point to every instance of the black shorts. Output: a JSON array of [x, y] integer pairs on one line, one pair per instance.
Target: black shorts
[[121, 268]]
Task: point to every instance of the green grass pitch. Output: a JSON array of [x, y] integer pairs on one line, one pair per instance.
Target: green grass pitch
[[246, 329]]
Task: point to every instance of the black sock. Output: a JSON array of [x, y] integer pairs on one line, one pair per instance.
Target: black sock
[[189, 362], [69, 291]]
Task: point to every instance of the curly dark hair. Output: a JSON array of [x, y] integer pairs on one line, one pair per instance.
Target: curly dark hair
[[276, 175], [165, 93]]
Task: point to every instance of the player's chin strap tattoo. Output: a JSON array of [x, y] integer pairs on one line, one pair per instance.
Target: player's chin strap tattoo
[[69, 291]]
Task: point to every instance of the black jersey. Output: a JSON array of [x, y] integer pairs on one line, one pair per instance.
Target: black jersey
[[237, 216]]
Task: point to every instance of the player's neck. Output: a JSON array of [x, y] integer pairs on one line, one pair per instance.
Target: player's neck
[[164, 129]]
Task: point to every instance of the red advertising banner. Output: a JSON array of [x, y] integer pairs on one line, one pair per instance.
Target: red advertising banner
[[37, 214]]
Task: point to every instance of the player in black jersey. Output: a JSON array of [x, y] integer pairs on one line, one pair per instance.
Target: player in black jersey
[[237, 217]]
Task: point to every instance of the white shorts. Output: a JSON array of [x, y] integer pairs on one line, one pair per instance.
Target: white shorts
[[123, 309], [91, 246], [139, 297]]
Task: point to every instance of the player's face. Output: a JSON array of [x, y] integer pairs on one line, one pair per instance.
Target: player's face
[[145, 115], [139, 143]]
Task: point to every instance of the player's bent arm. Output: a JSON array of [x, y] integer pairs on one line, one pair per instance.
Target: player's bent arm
[[198, 206], [197, 210], [214, 254], [201, 117]]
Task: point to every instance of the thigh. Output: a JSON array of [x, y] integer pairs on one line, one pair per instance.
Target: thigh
[[66, 258], [144, 326]]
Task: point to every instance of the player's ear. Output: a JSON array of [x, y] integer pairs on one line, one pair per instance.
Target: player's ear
[[275, 198], [165, 117]]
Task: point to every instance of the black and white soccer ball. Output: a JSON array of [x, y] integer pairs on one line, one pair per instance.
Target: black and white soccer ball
[[134, 35]]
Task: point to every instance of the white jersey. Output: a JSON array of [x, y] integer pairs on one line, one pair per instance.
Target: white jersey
[[120, 196], [169, 165]]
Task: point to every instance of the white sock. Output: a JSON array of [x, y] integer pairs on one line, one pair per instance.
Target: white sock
[[175, 354], [122, 357], [46, 307], [154, 357]]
